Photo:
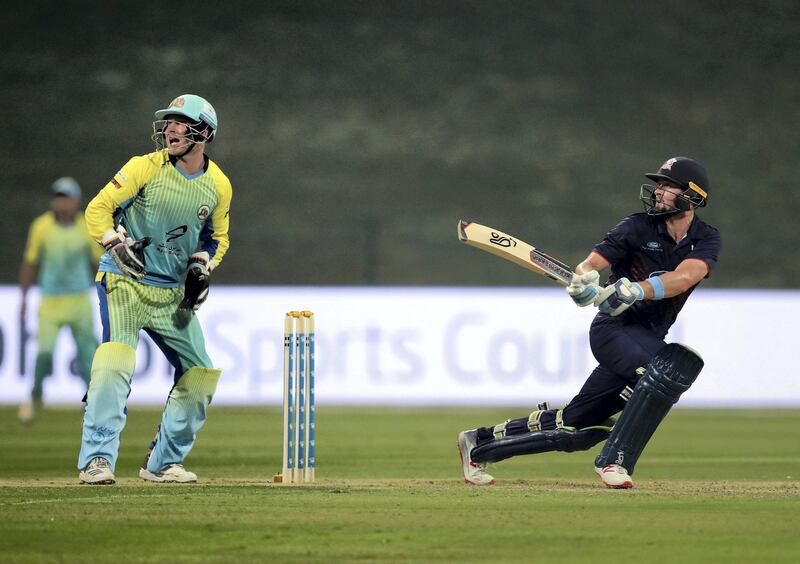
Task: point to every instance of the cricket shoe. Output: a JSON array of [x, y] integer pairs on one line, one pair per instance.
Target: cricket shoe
[[174, 473], [614, 476], [474, 472], [97, 472]]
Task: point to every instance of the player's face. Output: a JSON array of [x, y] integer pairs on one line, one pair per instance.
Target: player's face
[[666, 194], [177, 135], [64, 206]]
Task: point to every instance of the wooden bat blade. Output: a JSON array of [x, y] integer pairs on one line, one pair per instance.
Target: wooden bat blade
[[515, 250]]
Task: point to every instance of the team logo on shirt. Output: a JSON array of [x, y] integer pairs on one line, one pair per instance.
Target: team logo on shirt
[[203, 212], [652, 246]]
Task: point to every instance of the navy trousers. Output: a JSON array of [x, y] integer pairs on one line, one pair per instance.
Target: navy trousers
[[620, 349]]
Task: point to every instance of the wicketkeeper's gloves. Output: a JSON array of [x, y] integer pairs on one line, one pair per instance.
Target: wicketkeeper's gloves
[[197, 281], [128, 253]]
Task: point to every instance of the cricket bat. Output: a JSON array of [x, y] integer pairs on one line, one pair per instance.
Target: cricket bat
[[517, 251]]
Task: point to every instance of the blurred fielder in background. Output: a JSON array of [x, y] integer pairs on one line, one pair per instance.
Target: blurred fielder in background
[[60, 257], [162, 217], [667, 251]]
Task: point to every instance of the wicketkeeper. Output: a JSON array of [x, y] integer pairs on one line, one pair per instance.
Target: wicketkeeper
[[163, 219], [657, 258]]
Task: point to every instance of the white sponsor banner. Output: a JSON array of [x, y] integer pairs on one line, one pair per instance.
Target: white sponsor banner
[[435, 346]]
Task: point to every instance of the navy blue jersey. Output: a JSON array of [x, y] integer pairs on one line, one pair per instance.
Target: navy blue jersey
[[639, 246]]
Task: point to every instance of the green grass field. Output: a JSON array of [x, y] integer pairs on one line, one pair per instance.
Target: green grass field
[[713, 486]]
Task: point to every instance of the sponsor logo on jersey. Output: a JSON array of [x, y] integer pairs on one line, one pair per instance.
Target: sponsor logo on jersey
[[203, 212], [652, 246], [180, 231], [116, 184], [169, 250]]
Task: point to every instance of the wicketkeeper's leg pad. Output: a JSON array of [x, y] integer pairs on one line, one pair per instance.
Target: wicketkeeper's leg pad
[[184, 415], [105, 415], [564, 439], [669, 374]]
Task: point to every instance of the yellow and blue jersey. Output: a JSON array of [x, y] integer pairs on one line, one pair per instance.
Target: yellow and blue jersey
[[183, 214], [63, 253]]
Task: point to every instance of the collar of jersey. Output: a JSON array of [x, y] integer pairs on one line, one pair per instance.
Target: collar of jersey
[[690, 233], [174, 162]]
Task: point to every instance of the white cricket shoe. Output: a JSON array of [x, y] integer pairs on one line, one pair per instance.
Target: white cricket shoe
[[474, 472], [614, 476], [174, 473], [97, 472]]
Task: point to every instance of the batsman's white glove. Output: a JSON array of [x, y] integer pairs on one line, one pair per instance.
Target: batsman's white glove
[[128, 253], [584, 288], [615, 299]]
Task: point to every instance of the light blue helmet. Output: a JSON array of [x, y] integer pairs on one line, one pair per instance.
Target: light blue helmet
[[195, 108]]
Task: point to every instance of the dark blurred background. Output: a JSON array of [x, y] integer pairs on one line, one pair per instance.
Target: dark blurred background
[[356, 134]]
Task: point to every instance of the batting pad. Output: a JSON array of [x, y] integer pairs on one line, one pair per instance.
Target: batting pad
[[184, 415], [669, 374], [564, 439], [105, 415]]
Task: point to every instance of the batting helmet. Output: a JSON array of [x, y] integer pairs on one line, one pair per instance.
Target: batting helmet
[[687, 174]]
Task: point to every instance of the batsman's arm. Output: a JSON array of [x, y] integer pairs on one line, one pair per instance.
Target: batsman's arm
[[687, 274], [618, 297], [584, 288], [595, 261]]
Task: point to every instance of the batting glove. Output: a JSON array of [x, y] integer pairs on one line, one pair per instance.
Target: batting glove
[[127, 253], [584, 288], [615, 299], [198, 274]]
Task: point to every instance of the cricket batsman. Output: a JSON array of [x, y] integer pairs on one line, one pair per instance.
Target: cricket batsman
[[163, 221], [656, 258]]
